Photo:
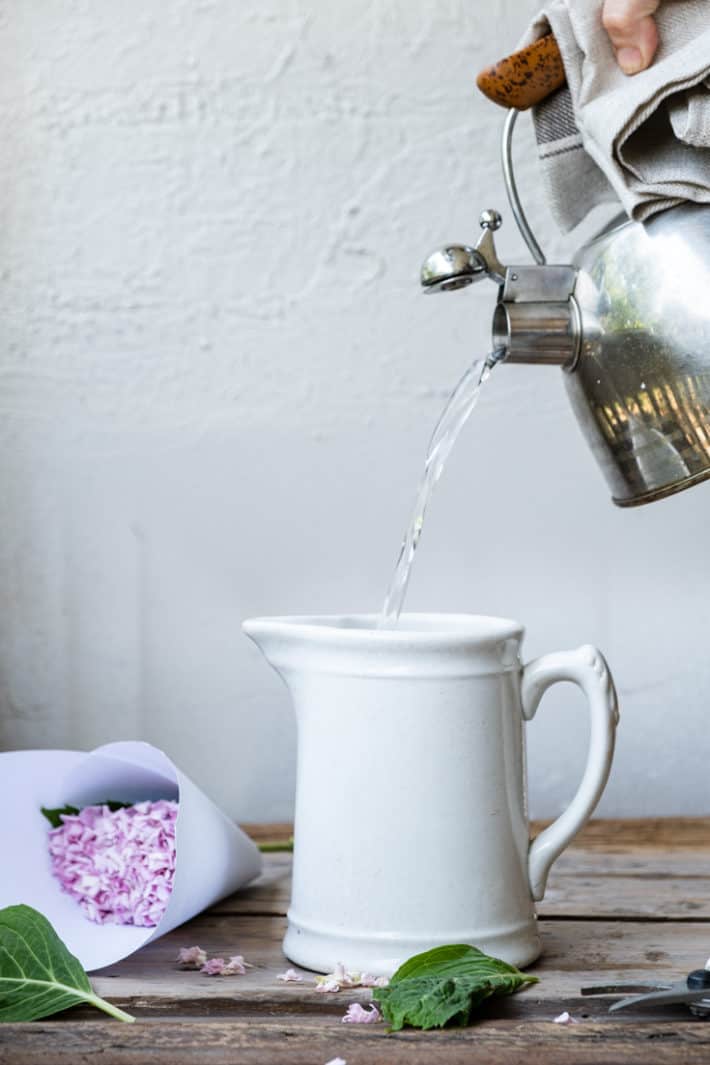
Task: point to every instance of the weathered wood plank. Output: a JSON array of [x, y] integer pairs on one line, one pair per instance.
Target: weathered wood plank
[[601, 895], [524, 1006], [268, 832], [630, 900], [575, 953], [261, 1041], [634, 834], [673, 885], [649, 863], [270, 894], [666, 833]]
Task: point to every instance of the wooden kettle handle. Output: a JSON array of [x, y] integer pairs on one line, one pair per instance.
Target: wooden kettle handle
[[525, 78]]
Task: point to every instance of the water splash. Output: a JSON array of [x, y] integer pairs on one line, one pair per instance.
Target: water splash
[[460, 406]]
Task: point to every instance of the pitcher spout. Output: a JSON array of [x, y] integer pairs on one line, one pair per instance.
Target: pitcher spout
[[271, 636]]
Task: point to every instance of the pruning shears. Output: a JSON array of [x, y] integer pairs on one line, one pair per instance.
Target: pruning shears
[[693, 992]]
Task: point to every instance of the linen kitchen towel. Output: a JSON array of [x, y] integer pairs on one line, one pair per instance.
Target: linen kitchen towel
[[643, 140]]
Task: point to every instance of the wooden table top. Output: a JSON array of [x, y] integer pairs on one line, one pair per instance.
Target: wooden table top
[[629, 900]]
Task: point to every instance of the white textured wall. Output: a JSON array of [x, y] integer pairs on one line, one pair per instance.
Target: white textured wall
[[218, 377]]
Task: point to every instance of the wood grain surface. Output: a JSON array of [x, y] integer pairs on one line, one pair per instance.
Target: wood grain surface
[[629, 900]]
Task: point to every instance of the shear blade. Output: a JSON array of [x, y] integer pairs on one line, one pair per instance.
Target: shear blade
[[676, 993], [630, 987]]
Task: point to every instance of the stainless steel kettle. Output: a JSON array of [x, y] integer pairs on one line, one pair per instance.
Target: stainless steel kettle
[[629, 323]]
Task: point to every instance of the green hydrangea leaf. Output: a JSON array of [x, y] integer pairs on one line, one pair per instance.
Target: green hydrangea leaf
[[54, 816], [445, 986], [38, 975]]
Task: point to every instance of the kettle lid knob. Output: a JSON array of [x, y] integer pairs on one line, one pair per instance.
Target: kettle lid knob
[[491, 219]]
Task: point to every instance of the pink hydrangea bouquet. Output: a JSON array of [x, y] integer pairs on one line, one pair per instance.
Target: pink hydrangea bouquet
[[116, 860], [112, 876]]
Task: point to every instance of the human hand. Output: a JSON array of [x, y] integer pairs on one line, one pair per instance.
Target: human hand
[[633, 32]]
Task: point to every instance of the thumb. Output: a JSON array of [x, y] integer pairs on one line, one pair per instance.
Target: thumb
[[632, 31]]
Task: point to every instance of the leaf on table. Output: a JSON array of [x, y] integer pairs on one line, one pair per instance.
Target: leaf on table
[[444, 986], [38, 975]]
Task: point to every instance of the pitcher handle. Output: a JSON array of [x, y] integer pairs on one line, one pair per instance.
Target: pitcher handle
[[586, 668]]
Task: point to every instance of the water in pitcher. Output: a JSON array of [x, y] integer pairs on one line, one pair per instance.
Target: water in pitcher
[[457, 411]]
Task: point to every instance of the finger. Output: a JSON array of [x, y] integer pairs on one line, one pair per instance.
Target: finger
[[632, 31]]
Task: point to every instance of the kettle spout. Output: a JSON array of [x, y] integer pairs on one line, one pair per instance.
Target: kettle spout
[[546, 331]]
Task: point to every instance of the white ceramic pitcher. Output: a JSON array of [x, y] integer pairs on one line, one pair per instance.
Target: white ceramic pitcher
[[411, 824]]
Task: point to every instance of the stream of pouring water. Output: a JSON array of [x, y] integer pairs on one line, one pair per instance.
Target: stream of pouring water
[[456, 413]]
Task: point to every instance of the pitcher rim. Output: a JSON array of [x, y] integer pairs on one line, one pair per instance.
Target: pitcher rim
[[358, 629]]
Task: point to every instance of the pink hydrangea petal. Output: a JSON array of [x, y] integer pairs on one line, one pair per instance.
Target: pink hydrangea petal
[[344, 977], [327, 985], [119, 865], [290, 976], [355, 1014], [214, 967], [236, 966], [191, 957]]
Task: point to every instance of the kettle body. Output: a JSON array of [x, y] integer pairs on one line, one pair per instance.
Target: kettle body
[[640, 383]]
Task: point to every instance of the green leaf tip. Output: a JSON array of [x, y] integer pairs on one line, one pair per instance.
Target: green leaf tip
[[54, 816], [445, 986]]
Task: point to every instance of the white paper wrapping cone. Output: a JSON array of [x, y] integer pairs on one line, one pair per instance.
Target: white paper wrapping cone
[[213, 856]]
